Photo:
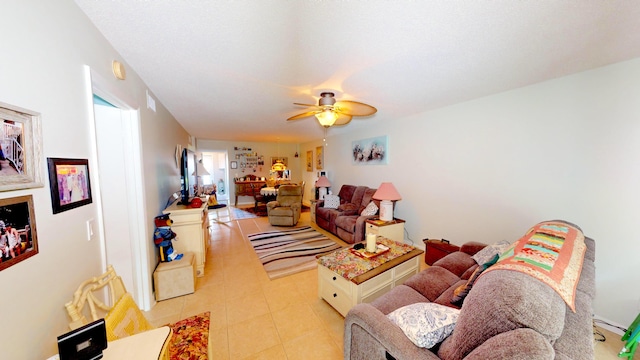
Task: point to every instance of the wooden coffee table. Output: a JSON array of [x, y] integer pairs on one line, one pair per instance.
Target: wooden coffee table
[[346, 279]]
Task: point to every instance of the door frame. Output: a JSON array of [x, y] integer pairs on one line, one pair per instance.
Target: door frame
[[97, 85]]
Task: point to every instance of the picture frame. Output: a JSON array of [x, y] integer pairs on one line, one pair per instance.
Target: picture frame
[[310, 160], [372, 151], [234, 164], [70, 183], [20, 148], [18, 239], [319, 158]]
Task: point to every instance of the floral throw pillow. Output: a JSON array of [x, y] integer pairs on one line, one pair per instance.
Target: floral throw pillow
[[371, 209], [425, 324], [331, 201]]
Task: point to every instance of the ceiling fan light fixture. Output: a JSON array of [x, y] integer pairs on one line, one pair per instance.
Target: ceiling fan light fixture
[[327, 117]]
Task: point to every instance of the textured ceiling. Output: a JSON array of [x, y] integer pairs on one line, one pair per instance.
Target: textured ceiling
[[231, 70]]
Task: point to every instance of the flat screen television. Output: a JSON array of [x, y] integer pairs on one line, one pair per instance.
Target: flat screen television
[[187, 176]]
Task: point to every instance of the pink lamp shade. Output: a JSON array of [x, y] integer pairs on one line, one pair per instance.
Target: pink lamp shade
[[323, 182], [387, 191]]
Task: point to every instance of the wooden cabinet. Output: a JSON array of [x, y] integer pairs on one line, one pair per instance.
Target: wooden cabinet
[[243, 188], [393, 229], [192, 231]]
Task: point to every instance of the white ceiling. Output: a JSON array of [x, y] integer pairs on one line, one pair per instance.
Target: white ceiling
[[231, 70]]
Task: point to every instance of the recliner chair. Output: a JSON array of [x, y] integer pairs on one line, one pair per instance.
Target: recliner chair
[[286, 209]]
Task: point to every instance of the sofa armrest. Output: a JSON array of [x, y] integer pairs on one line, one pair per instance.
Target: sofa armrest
[[472, 247], [369, 334], [513, 345], [272, 204]]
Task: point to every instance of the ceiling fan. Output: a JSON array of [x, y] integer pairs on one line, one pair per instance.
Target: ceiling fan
[[330, 112]]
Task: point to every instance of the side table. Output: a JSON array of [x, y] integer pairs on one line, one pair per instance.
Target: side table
[[312, 209], [393, 229]]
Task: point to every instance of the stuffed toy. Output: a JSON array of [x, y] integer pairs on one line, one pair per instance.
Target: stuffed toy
[[163, 220], [162, 237]]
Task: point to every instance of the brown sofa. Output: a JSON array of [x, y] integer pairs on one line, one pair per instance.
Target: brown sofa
[[346, 222], [506, 315]]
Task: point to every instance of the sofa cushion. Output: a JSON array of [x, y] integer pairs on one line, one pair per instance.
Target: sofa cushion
[[485, 255], [370, 210], [398, 297], [432, 282], [348, 209], [457, 262], [460, 292], [331, 201], [347, 223], [425, 324]]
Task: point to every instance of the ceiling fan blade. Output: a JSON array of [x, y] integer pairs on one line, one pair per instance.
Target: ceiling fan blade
[[343, 119], [307, 105], [303, 115], [354, 108]]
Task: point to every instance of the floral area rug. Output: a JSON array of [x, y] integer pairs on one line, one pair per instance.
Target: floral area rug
[[190, 339]]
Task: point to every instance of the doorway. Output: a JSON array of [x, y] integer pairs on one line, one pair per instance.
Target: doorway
[[119, 181], [216, 164]]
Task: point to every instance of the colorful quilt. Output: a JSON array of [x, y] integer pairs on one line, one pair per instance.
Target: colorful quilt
[[552, 252]]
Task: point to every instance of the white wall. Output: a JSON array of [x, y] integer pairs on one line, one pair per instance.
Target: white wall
[[489, 169], [46, 45]]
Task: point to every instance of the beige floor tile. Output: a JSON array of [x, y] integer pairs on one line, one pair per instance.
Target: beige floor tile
[[252, 337], [273, 353], [280, 295], [247, 307], [295, 320], [311, 346]]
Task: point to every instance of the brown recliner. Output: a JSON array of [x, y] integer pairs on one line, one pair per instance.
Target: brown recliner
[[285, 210]]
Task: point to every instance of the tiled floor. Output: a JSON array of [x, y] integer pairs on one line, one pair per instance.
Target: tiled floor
[[253, 317]]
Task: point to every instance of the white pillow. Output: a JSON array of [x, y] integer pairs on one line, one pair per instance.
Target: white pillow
[[425, 324], [371, 209], [331, 201], [483, 256]]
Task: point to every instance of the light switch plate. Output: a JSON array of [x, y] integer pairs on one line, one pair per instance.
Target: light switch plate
[[91, 229]]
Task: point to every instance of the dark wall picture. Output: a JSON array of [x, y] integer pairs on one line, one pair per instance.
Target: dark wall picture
[[18, 240], [70, 186]]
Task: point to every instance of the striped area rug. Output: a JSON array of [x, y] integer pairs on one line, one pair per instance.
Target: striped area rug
[[286, 252]]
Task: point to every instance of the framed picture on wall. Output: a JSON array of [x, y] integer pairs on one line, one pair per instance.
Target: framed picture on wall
[[372, 151], [20, 149], [309, 160], [69, 182], [319, 158], [18, 227], [234, 164]]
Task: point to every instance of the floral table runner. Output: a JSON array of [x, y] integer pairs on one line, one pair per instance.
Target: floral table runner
[[349, 265]]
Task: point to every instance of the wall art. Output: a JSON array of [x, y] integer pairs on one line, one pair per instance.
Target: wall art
[[309, 160], [18, 239], [69, 182], [319, 158], [372, 151], [20, 148]]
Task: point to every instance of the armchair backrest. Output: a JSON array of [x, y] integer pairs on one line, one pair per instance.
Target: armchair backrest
[[86, 295], [289, 194]]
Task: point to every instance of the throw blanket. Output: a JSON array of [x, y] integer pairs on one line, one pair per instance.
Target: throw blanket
[[552, 252]]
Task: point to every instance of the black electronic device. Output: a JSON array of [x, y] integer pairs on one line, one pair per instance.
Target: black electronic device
[[187, 176], [83, 343]]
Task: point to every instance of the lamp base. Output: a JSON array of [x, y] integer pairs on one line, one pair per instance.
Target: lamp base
[[322, 192], [386, 210]]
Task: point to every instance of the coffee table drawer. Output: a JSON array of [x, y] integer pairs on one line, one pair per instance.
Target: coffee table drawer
[[334, 280], [338, 299]]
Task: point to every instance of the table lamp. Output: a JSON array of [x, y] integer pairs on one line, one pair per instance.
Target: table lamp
[[386, 193], [322, 183]]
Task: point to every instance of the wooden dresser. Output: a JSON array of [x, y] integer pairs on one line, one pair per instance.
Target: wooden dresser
[[243, 188]]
